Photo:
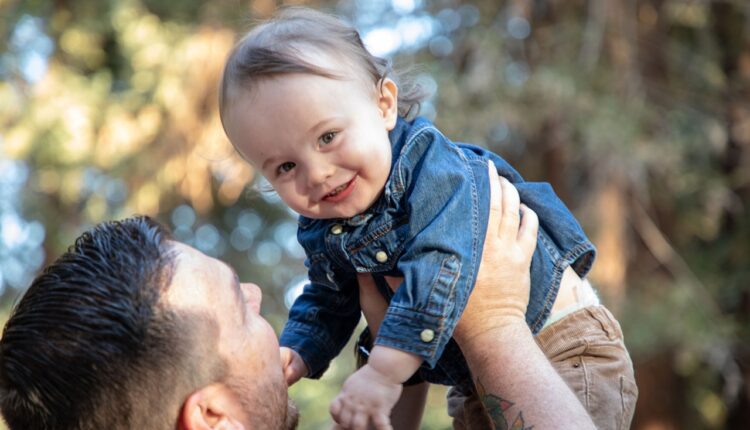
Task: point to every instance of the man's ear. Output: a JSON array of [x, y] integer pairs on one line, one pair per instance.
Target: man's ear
[[388, 102], [211, 407]]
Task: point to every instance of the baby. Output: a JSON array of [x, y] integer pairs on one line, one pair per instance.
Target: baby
[[387, 197]]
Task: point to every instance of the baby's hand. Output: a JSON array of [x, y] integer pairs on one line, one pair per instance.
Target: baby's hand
[[366, 397], [293, 365]]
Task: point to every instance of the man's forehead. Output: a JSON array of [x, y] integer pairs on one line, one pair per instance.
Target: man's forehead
[[202, 285], [195, 278]]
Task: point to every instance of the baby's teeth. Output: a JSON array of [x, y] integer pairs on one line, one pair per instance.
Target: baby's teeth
[[338, 189]]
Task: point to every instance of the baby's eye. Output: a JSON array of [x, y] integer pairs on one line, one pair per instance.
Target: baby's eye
[[327, 137], [285, 167]]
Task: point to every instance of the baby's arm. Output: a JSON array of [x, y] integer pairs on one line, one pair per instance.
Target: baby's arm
[[371, 392], [320, 323], [407, 412]]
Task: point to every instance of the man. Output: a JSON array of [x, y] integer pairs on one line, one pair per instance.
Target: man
[[130, 329]]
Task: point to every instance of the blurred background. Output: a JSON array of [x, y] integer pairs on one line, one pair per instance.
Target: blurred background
[[638, 113]]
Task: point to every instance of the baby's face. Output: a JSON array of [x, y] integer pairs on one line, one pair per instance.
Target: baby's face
[[322, 143]]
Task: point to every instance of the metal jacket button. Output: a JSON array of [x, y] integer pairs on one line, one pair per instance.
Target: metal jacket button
[[381, 256], [337, 229], [427, 335]]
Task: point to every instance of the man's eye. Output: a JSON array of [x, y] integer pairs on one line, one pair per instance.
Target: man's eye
[[285, 167], [327, 138]]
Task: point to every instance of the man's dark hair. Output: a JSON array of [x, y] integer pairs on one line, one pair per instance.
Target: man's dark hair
[[88, 346]]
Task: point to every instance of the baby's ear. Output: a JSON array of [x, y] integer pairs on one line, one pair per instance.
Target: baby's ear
[[388, 102]]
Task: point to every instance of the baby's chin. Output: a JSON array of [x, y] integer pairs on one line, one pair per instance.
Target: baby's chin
[[343, 213]]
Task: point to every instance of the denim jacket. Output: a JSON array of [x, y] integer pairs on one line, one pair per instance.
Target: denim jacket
[[428, 227]]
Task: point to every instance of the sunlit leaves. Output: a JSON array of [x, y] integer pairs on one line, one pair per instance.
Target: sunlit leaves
[[162, 101]]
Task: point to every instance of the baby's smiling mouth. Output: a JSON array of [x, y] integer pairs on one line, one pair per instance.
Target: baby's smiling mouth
[[338, 189], [340, 192]]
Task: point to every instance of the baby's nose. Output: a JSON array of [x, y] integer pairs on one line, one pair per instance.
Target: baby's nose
[[318, 174]]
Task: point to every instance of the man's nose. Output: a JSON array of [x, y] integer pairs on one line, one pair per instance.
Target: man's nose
[[253, 295]]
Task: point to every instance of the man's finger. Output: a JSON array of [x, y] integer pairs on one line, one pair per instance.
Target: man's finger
[[527, 232], [496, 203], [510, 216]]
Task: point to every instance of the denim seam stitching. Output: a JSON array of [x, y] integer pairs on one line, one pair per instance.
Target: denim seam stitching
[[560, 264]]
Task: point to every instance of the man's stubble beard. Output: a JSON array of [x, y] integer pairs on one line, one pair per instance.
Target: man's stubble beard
[[266, 411], [292, 415]]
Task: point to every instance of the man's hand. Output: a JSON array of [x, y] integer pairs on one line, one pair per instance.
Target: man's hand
[[501, 292], [293, 365], [367, 397], [508, 367]]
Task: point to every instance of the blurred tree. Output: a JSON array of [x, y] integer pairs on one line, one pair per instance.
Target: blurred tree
[[637, 112]]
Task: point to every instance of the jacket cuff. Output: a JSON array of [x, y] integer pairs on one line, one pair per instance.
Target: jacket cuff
[[414, 332], [310, 344]]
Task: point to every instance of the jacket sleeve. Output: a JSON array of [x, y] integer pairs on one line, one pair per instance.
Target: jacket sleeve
[[443, 248], [323, 317]]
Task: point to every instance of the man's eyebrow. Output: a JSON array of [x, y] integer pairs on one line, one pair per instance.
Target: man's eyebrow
[[240, 299], [236, 276]]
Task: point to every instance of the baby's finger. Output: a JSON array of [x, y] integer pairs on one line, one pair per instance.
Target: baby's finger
[[292, 372], [359, 421], [382, 422], [335, 410], [510, 215], [345, 417], [289, 374], [299, 369]]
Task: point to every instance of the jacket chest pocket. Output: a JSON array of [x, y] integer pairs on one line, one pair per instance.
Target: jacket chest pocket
[[379, 249]]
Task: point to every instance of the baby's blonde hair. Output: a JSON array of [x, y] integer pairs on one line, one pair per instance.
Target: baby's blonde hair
[[282, 45]]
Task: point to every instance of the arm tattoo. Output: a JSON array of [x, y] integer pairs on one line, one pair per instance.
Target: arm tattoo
[[497, 407]]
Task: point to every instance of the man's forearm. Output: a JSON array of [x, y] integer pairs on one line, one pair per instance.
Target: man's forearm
[[518, 386]]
